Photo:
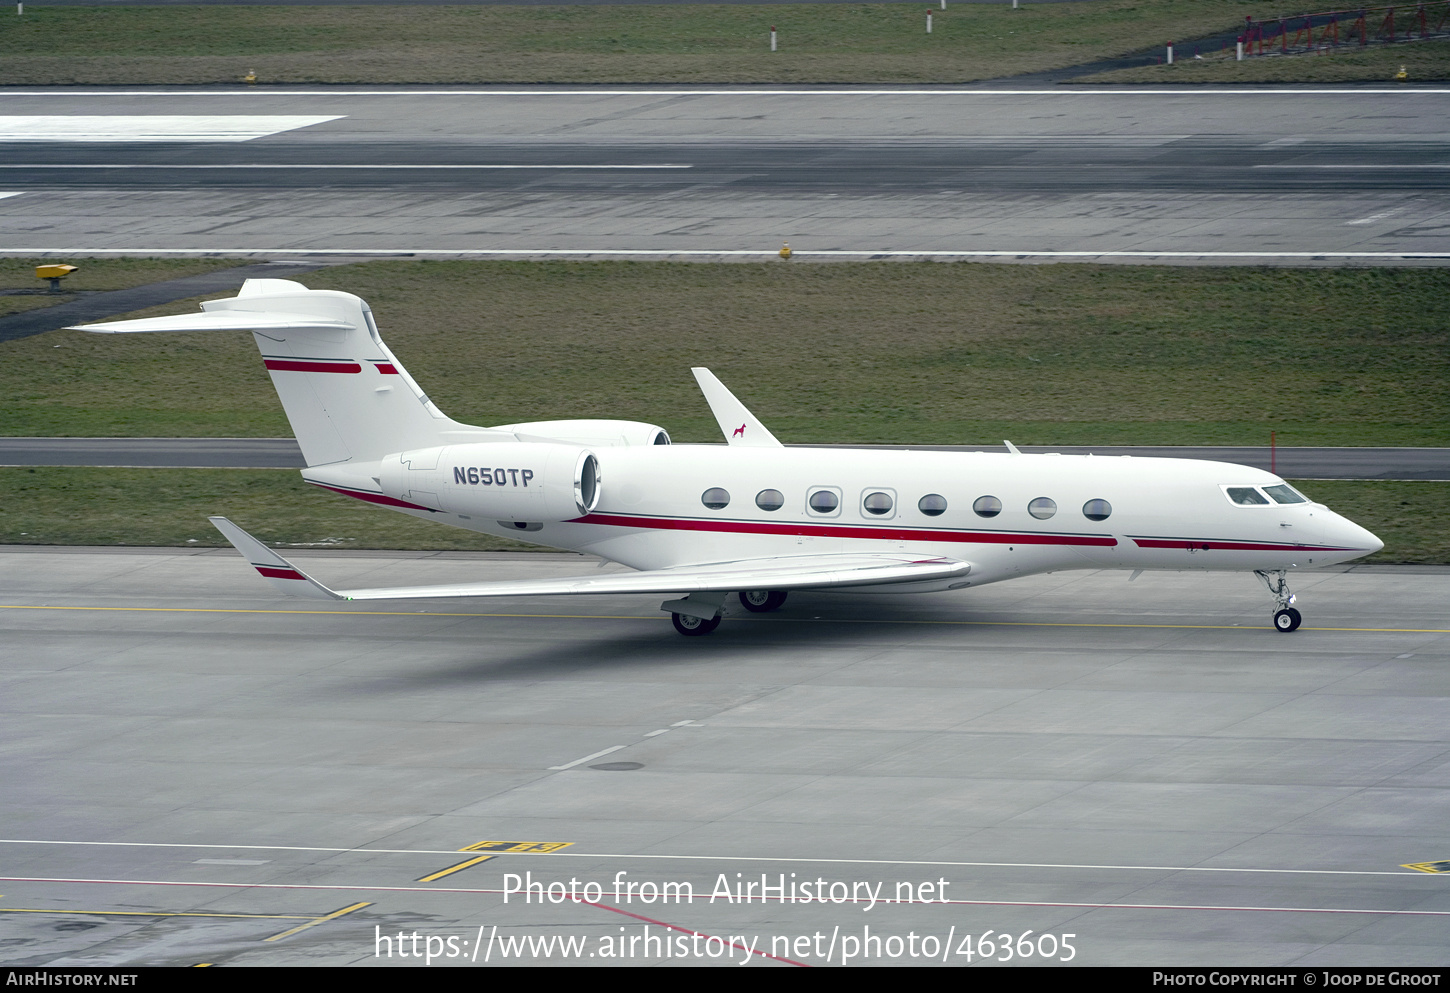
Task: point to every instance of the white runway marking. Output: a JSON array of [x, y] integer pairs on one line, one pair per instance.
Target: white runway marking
[[1406, 874], [17, 193], [1185, 92], [599, 754], [286, 165], [167, 127], [1354, 165], [463, 253]]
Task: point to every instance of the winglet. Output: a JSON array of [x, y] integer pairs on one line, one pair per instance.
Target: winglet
[[739, 425], [283, 575], [1011, 448]]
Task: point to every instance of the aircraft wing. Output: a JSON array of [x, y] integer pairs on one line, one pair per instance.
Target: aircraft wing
[[788, 572]]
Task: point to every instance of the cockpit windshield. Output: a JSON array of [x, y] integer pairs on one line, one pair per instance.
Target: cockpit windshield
[[1284, 493], [1264, 496], [1245, 496]]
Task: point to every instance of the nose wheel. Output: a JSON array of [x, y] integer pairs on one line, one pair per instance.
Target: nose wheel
[[1286, 618]]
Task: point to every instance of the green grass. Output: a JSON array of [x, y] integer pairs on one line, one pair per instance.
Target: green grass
[[888, 352], [1412, 519], [1423, 61], [91, 275], [85, 506], [92, 506], [879, 43]]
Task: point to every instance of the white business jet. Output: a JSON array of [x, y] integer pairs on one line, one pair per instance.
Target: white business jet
[[751, 517]]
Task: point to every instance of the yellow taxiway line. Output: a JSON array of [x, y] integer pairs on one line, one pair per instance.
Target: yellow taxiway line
[[807, 620]]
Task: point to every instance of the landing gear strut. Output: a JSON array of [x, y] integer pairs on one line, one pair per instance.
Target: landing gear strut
[[762, 601], [1286, 618]]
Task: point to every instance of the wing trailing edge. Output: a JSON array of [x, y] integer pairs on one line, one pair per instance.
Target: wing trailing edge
[[791, 572]]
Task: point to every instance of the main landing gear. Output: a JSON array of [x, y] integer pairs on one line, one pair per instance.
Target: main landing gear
[[699, 613], [1286, 618], [762, 601], [693, 627]]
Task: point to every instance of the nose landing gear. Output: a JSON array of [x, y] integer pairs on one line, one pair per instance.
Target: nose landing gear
[[1286, 618]]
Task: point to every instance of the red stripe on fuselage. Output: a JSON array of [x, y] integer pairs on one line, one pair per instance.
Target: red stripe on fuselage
[[1210, 544], [371, 497], [306, 365], [847, 531], [273, 573]]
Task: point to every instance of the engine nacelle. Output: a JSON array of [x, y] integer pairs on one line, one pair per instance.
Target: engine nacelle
[[519, 482], [595, 433]]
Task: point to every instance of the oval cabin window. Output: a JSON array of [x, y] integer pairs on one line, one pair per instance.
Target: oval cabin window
[[770, 499]]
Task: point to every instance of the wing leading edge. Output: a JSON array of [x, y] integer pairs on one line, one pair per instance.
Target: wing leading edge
[[791, 572]]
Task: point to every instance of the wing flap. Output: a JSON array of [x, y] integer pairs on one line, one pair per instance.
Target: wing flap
[[794, 572]]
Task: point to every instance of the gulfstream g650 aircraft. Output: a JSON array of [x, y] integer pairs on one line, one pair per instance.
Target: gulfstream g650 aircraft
[[751, 517]]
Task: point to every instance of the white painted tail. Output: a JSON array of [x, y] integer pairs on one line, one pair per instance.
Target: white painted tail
[[348, 399]]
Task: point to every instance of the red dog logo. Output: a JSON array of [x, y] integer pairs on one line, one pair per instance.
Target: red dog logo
[[739, 432]]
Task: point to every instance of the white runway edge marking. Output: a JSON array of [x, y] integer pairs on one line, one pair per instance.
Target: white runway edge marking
[[1184, 92], [1408, 874], [365, 888], [728, 252], [1427, 165], [17, 193], [160, 127], [53, 166]]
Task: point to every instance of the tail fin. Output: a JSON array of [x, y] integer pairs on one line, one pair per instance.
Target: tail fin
[[346, 396]]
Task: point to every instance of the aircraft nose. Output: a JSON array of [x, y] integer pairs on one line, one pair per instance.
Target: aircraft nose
[[1351, 535]]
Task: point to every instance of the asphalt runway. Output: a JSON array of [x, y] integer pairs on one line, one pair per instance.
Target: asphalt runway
[[1143, 772], [283, 453], [1287, 175]]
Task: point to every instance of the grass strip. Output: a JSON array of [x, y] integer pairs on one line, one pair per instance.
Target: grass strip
[[649, 43], [95, 506], [880, 352], [1423, 61], [21, 290]]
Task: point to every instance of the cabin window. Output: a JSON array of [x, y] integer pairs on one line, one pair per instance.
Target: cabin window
[[1097, 510], [1042, 508], [715, 498], [987, 506], [877, 504], [1284, 493], [932, 505], [770, 499], [1246, 496], [824, 501]]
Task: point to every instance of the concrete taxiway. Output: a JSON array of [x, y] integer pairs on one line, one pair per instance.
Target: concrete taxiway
[[196, 771], [1356, 174]]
